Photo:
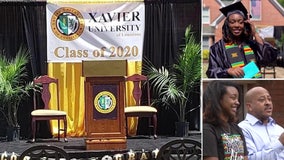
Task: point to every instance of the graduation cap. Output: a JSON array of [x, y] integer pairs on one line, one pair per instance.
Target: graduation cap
[[234, 8]]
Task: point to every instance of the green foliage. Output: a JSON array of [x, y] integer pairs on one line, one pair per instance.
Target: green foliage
[[205, 54], [13, 87], [280, 43], [174, 86], [281, 2]]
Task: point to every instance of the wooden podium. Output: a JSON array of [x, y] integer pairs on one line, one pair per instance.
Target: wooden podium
[[104, 104]]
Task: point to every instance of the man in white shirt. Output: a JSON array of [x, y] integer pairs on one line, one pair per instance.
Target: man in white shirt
[[264, 138]]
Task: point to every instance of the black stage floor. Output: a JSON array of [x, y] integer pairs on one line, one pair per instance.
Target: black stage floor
[[75, 147]]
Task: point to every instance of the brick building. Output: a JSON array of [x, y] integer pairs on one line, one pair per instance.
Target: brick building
[[265, 13]]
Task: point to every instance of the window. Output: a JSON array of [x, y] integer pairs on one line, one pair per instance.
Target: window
[[227, 2], [205, 42], [255, 9], [205, 16]]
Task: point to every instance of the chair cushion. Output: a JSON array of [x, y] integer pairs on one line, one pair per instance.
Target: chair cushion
[[45, 112], [130, 109]]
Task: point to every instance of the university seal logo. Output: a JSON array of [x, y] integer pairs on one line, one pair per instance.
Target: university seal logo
[[67, 23], [104, 102]]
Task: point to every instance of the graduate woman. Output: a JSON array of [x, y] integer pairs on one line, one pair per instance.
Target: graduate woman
[[240, 45]]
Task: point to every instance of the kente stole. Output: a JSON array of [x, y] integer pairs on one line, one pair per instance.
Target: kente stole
[[239, 57]]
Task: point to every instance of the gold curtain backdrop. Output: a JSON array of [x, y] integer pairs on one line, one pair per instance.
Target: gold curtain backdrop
[[71, 88], [71, 85]]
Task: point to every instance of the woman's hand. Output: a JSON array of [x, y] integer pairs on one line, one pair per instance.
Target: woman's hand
[[252, 27], [253, 32], [236, 72]]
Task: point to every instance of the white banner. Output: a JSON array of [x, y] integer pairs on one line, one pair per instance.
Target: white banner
[[266, 32], [104, 31]]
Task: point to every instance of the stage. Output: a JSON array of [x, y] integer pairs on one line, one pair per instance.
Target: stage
[[75, 147]]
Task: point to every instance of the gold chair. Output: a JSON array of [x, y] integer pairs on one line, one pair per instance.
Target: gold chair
[[140, 110], [45, 113]]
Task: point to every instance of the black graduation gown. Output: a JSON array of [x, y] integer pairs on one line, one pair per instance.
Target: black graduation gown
[[219, 62]]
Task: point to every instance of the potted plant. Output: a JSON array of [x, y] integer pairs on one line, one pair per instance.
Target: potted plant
[[13, 88], [174, 87]]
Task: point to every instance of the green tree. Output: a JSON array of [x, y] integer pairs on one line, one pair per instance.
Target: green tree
[[176, 84], [281, 2], [13, 85]]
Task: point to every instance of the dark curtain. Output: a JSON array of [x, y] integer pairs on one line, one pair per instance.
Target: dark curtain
[[34, 17], [160, 41], [34, 21], [11, 28], [165, 24], [166, 20], [24, 23]]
